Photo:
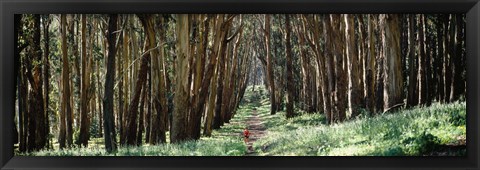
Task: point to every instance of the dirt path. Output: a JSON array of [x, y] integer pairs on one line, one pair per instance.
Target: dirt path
[[257, 131]]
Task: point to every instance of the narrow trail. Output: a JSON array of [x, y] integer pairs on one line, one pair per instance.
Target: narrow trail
[[257, 131]]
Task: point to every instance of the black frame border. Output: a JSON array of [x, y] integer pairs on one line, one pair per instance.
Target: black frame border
[[7, 94]]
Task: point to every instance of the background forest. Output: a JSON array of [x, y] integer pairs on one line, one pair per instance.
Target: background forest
[[188, 84]]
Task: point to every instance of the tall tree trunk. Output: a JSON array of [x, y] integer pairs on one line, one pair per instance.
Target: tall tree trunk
[[131, 130], [99, 98], [148, 116], [458, 86], [197, 71], [429, 50], [379, 74], [270, 75], [214, 67], [211, 103], [447, 70], [46, 75], [37, 104], [75, 80], [126, 80], [21, 85], [329, 73], [362, 59], [178, 130], [452, 59], [371, 68], [439, 59], [461, 52], [393, 84], [422, 75], [109, 126], [354, 92], [289, 77], [123, 49], [142, 113], [412, 64], [65, 118], [340, 86], [84, 130]]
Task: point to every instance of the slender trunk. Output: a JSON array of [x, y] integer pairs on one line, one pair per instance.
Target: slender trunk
[[46, 75], [131, 129], [270, 75], [84, 130], [412, 65], [214, 67], [371, 70], [422, 62], [65, 117], [458, 86], [148, 119], [142, 113], [354, 92], [289, 77], [447, 71], [21, 85], [340, 74], [109, 126], [379, 81], [328, 74], [211, 104]]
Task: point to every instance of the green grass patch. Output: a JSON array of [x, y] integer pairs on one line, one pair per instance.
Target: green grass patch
[[417, 131], [226, 141], [204, 147]]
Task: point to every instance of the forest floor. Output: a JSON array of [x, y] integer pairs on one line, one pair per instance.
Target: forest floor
[[257, 130], [435, 130]]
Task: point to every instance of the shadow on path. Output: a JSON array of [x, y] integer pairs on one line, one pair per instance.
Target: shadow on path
[[257, 131]]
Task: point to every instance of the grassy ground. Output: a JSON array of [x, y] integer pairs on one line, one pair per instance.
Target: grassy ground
[[226, 141], [436, 130], [439, 129]]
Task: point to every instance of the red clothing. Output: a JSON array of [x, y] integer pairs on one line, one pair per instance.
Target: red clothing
[[246, 133]]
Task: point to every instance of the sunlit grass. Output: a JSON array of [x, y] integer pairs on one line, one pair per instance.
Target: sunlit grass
[[204, 147], [416, 131], [226, 141]]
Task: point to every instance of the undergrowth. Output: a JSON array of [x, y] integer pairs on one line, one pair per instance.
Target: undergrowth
[[415, 132]]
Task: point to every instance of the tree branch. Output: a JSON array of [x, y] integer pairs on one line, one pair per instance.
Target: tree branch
[[236, 33]]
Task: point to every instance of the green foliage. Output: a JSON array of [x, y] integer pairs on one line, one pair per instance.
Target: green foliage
[[255, 98], [94, 126], [421, 144]]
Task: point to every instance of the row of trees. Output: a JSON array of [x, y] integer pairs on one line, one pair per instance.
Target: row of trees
[[351, 63], [140, 76], [197, 62]]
